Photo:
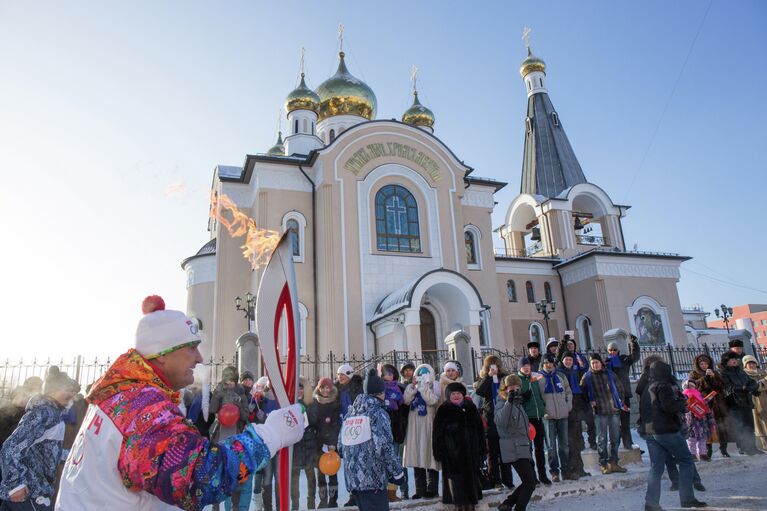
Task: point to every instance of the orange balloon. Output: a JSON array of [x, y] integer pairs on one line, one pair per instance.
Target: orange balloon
[[229, 414], [531, 431], [330, 463]]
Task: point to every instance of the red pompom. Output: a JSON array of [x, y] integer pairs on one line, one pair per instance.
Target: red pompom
[[152, 303]]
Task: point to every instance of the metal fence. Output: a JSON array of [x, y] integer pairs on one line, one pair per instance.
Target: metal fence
[[681, 360]]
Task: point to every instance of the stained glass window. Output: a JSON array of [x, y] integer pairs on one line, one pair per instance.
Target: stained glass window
[[511, 290], [292, 225], [397, 228], [471, 247]]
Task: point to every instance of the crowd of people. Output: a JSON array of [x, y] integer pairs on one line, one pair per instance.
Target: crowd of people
[[456, 438]]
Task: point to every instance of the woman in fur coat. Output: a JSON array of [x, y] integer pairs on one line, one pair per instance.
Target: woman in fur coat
[[421, 396], [450, 374], [708, 379], [458, 442], [328, 423]]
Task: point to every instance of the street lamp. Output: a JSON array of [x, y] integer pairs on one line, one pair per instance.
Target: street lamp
[[249, 309], [726, 314], [543, 308]]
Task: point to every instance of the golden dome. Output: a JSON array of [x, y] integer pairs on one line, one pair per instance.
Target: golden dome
[[302, 98], [418, 115], [343, 94], [277, 149], [531, 63]]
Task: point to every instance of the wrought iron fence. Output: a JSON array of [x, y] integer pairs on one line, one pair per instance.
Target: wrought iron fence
[[681, 360]]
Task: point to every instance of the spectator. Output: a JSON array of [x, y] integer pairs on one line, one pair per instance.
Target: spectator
[[739, 390], [491, 375], [266, 484], [513, 423], [534, 355], [558, 401], [12, 411], [421, 397], [699, 422], [621, 366], [760, 403], [575, 418], [305, 452], [370, 461], [450, 374], [660, 409], [248, 381], [605, 392], [736, 347], [551, 347], [349, 386], [328, 421], [458, 443], [568, 345], [31, 454], [581, 364], [535, 408], [393, 402], [406, 377], [709, 380]]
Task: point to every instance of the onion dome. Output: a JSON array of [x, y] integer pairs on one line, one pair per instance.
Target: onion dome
[[277, 149], [302, 98], [418, 115], [344, 94], [531, 63]]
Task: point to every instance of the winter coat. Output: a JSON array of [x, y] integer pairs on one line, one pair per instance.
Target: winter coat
[[739, 387], [394, 402], [444, 381], [458, 443], [557, 404], [137, 452], [366, 444], [32, 453], [328, 417], [604, 403], [535, 363], [349, 392], [484, 389], [222, 396], [306, 451], [694, 427], [512, 423], [662, 405], [419, 431], [581, 361], [760, 403], [707, 384], [624, 372], [580, 399], [532, 399]]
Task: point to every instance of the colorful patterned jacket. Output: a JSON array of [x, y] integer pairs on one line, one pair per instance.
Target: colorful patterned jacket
[[136, 450]]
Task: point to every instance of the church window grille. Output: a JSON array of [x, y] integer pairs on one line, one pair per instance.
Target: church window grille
[[511, 290], [547, 292], [397, 227], [530, 292], [555, 118]]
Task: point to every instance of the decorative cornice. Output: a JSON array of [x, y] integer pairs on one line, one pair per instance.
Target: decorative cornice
[[604, 267]]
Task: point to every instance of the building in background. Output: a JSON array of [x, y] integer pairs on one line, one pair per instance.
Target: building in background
[[751, 316], [394, 241]]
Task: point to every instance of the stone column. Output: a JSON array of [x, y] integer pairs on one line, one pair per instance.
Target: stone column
[[459, 348], [248, 354]]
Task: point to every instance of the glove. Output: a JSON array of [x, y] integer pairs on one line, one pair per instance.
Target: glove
[[283, 427], [398, 480]]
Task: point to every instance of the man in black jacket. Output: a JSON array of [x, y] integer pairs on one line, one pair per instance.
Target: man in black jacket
[[660, 408], [621, 366], [739, 390]]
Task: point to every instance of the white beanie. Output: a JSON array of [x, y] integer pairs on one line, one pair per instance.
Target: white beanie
[[162, 331], [345, 369], [262, 382], [450, 365]]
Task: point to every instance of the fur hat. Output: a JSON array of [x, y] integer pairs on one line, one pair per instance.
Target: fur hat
[[245, 375], [729, 355], [512, 380], [58, 380], [374, 384], [454, 387], [229, 374], [533, 344], [736, 343], [523, 361], [162, 331]]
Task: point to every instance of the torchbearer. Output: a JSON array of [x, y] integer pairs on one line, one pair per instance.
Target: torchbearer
[[278, 299], [136, 451]]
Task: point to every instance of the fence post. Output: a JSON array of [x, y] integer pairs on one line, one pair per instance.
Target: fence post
[[705, 348], [78, 365], [671, 358]]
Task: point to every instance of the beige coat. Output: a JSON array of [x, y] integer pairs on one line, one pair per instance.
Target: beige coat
[[760, 407], [418, 452]]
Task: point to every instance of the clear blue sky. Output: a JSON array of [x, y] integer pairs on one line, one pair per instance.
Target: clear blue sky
[[113, 115]]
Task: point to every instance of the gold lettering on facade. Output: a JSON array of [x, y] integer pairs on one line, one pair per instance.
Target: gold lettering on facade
[[363, 156]]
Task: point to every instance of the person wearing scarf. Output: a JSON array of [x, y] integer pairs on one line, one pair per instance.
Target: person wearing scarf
[[535, 408], [577, 414], [581, 364], [490, 377], [558, 399], [621, 366], [604, 391], [421, 398]]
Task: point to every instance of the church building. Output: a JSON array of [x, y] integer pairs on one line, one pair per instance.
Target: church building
[[394, 245]]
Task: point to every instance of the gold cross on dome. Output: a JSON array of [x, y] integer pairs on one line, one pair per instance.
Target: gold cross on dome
[[526, 36], [414, 77], [340, 37], [303, 53]]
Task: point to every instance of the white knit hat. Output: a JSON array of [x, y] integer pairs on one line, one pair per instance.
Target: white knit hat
[[450, 365], [162, 331], [345, 369]]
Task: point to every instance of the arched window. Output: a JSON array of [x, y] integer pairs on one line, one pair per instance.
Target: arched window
[[583, 325], [547, 292], [312, 127], [397, 228], [295, 222], [306, 125], [332, 135], [295, 126], [530, 292], [471, 248], [511, 290], [536, 332]]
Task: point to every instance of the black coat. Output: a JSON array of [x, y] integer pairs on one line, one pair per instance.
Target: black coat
[[306, 451], [485, 390], [624, 372], [327, 419], [662, 405], [458, 443], [739, 387], [349, 392]]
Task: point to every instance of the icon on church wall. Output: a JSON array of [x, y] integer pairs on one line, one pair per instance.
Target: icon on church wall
[[649, 327]]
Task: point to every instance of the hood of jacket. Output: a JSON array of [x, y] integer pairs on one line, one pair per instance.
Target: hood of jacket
[[700, 357], [490, 360], [661, 372], [325, 400], [390, 367], [129, 371], [424, 370]]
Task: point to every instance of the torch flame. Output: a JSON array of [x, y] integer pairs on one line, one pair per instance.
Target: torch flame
[[259, 243]]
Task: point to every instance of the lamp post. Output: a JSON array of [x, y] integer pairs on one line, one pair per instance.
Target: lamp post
[[249, 309], [543, 308], [726, 314]]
